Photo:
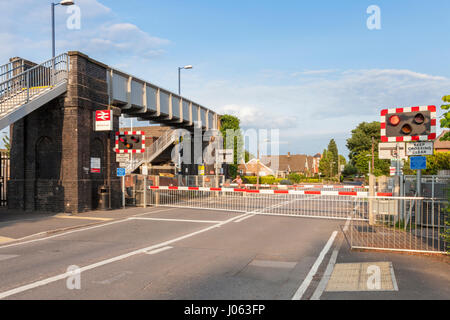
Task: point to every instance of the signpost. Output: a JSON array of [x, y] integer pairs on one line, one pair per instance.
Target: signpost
[[121, 173]]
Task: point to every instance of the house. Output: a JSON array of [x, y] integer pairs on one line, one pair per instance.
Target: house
[[441, 146], [297, 163], [251, 168]]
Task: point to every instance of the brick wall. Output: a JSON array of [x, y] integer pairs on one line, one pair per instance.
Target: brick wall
[[52, 147]]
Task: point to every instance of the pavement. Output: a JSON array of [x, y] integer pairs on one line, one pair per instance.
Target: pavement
[[183, 254]]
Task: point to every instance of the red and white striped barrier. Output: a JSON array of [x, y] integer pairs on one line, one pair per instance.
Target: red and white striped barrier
[[302, 192], [305, 186]]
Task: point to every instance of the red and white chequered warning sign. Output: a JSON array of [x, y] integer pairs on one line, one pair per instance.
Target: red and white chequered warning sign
[[140, 133], [431, 136]]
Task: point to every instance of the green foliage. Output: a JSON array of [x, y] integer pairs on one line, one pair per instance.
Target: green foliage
[[7, 143], [363, 159], [334, 158], [273, 180], [262, 180], [445, 121], [295, 177], [349, 170], [446, 233], [360, 146], [361, 139], [342, 160], [229, 122], [326, 164]]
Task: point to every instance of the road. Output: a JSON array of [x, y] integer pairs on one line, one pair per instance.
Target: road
[[175, 253]]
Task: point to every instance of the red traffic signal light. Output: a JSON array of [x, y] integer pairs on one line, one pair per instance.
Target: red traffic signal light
[[130, 142], [408, 124]]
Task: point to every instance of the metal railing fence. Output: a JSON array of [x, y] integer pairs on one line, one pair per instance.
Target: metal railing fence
[[399, 224], [299, 205], [380, 223], [22, 88]]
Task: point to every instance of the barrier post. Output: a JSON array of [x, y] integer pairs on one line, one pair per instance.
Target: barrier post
[[371, 200]]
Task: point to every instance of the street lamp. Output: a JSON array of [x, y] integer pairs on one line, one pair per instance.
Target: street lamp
[[53, 5], [179, 76]]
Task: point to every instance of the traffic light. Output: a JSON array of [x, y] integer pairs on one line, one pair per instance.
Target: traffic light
[[408, 124], [130, 142]]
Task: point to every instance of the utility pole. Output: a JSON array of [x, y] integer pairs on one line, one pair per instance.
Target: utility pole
[[373, 155]]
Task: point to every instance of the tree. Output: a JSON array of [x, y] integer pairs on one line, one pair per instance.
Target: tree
[[363, 161], [342, 160], [360, 146], [325, 164], [7, 143], [349, 170], [229, 122], [332, 148], [445, 123], [361, 139]]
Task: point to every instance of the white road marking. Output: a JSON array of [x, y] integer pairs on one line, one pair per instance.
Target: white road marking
[[246, 217], [108, 261], [394, 280], [326, 277], [302, 289], [176, 220], [69, 232], [158, 250], [329, 270]]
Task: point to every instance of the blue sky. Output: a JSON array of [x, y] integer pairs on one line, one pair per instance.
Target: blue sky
[[310, 68]]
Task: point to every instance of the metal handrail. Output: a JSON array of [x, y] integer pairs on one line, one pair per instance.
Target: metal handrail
[[23, 87]]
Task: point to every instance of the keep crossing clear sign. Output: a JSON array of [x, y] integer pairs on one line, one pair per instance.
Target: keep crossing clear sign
[[423, 148]]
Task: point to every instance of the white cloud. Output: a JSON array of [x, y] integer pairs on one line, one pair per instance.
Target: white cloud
[[102, 32], [314, 109]]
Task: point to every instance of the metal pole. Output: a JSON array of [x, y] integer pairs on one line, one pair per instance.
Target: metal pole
[[145, 191], [123, 192], [257, 170], [52, 81], [179, 81], [53, 30]]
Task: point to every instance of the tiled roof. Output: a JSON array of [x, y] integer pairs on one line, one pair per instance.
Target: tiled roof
[[441, 144], [292, 163]]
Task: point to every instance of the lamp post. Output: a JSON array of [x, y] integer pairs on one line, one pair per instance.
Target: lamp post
[[53, 5], [179, 76]]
